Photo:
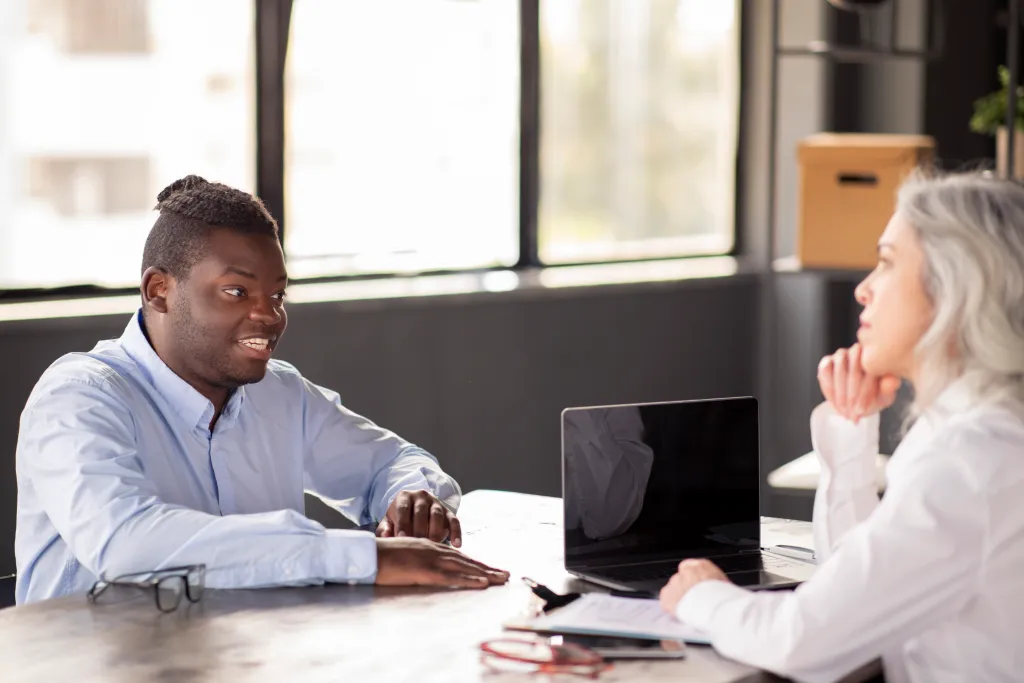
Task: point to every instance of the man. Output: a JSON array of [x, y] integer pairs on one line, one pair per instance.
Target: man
[[183, 443]]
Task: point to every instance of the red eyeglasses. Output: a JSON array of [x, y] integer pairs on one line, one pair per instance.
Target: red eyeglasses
[[541, 656]]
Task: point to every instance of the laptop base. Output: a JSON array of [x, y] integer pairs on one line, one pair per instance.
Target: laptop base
[[753, 579]]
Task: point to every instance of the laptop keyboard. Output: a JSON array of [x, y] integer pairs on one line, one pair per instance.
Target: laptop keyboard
[[663, 570], [640, 572]]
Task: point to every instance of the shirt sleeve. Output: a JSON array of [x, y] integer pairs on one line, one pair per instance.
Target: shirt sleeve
[[357, 467], [77, 450], [847, 487], [913, 563], [610, 468]]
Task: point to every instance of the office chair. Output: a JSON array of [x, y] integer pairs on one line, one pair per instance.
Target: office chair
[[7, 591]]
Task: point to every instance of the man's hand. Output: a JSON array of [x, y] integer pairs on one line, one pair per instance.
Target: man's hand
[[420, 515], [691, 572], [419, 562]]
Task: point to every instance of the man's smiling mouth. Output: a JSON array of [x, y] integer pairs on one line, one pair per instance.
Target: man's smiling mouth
[[259, 343]]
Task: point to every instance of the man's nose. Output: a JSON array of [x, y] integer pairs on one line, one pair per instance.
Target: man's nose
[[264, 311]]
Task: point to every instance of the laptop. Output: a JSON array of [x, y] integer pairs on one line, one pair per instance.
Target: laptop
[[645, 486]]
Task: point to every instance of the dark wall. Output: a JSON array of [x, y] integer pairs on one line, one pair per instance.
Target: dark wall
[[815, 314], [479, 380], [973, 47]]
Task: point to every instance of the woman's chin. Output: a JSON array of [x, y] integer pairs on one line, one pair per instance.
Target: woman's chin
[[870, 361]]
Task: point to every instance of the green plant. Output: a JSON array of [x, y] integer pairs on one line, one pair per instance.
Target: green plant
[[990, 110]]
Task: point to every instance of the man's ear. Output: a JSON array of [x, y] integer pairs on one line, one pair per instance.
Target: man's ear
[[156, 284]]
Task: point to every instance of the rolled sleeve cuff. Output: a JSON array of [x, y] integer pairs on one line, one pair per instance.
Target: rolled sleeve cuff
[[350, 556], [846, 450], [699, 605]]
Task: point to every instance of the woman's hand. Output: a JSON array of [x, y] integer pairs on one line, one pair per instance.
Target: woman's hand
[[852, 392], [690, 573]]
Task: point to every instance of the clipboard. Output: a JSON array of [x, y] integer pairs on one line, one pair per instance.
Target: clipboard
[[598, 614]]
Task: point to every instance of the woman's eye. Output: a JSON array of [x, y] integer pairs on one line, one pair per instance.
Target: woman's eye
[[279, 296], [235, 291]]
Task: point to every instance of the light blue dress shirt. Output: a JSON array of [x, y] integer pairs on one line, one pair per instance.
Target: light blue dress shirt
[[118, 473]]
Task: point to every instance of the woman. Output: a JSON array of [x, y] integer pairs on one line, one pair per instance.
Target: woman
[[931, 578]]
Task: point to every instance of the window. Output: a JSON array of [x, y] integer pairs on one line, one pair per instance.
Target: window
[[402, 120], [401, 132], [102, 104], [639, 118], [90, 186], [92, 26]]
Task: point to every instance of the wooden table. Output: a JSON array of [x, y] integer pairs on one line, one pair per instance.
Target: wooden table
[[333, 633]]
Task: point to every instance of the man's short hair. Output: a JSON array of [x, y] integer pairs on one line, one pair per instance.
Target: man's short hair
[[190, 209]]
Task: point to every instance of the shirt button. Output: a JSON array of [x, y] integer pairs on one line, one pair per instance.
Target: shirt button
[[352, 569]]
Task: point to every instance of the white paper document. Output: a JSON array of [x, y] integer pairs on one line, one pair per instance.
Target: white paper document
[[600, 614]]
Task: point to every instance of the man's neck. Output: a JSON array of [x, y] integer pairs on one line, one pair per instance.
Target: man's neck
[[218, 396]]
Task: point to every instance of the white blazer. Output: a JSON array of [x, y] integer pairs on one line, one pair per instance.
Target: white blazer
[[931, 578]]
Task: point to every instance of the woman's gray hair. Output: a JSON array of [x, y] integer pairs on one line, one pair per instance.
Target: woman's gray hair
[[971, 229]]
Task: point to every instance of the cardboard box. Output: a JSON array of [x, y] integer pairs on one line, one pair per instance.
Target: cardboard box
[[848, 184]]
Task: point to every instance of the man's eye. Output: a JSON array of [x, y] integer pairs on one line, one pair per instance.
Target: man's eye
[[279, 296]]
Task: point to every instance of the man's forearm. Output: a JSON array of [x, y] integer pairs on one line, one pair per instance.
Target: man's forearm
[[239, 551]]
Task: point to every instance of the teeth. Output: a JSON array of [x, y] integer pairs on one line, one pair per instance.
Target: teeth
[[259, 344]]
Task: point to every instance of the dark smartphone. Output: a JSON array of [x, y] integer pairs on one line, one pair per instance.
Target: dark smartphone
[[614, 647]]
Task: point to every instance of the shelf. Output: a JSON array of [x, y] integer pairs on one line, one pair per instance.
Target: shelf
[[791, 264], [841, 53]]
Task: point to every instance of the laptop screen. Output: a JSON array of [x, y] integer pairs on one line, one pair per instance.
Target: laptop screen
[[660, 481]]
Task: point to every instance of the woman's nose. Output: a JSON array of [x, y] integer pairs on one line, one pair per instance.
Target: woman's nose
[[862, 293]]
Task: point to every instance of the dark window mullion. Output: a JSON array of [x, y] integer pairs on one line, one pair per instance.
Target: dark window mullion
[[271, 44], [529, 130]]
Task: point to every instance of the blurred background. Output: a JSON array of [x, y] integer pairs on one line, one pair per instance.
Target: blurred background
[[108, 100], [493, 209]]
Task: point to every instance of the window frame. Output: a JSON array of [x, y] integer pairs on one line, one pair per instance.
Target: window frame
[[270, 44]]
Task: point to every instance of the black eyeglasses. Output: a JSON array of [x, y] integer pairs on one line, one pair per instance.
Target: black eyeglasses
[[168, 585]]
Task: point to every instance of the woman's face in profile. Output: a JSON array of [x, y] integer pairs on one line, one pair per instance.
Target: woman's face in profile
[[897, 310]]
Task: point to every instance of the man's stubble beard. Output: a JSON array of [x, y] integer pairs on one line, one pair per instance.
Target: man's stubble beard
[[197, 350]]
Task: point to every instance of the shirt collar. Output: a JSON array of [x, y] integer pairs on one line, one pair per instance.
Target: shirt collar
[[194, 408], [956, 398]]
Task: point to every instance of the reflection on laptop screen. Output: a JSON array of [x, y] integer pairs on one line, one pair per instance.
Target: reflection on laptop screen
[[660, 481]]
